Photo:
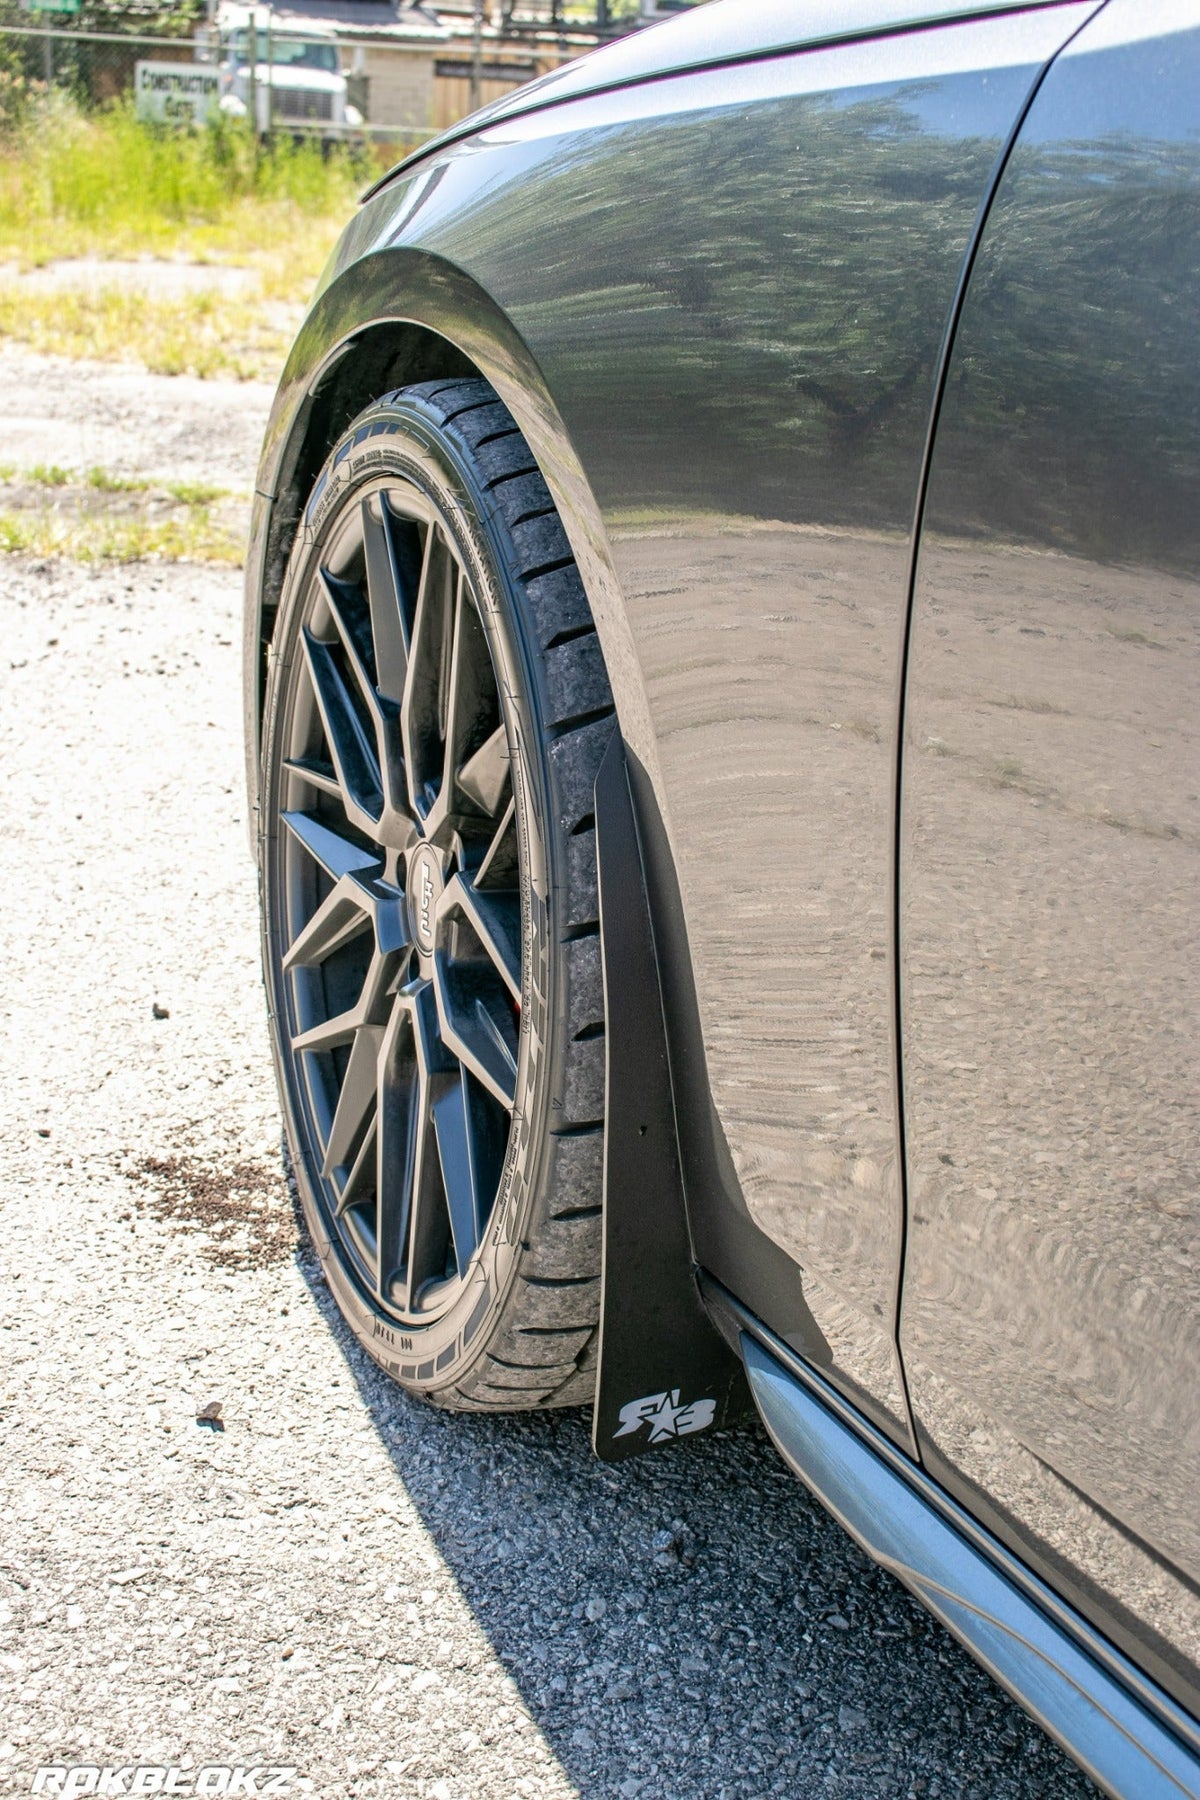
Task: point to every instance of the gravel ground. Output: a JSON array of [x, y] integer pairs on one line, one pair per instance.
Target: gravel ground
[[151, 427], [331, 1577], [156, 276]]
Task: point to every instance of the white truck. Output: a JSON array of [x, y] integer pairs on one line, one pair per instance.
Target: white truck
[[291, 76]]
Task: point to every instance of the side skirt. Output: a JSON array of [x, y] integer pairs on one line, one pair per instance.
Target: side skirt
[[1097, 1705]]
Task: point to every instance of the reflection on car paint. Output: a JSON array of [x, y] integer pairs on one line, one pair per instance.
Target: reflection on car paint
[[786, 330]]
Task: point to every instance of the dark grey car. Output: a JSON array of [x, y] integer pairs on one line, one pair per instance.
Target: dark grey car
[[722, 638]]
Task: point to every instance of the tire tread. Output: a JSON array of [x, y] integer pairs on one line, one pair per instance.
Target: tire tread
[[543, 1348]]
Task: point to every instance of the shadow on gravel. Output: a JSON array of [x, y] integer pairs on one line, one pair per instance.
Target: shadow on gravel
[[691, 1625]]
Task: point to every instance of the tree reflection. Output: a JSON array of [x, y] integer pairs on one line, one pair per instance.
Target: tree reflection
[[747, 308], [1076, 362], [762, 290]]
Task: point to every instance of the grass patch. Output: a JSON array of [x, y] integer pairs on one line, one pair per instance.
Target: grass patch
[[195, 537], [194, 334], [108, 185], [104, 482], [195, 493], [96, 516]]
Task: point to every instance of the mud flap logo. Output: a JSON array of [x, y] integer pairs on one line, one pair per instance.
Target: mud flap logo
[[665, 1417]]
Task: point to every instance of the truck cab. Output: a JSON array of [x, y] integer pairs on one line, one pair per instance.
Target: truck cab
[[285, 77]]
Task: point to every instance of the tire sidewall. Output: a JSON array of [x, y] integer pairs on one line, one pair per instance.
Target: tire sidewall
[[400, 437]]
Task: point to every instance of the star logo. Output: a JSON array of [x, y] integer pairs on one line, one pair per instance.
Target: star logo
[[665, 1417]]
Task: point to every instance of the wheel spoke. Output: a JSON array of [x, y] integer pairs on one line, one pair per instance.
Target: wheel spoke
[[317, 773], [351, 619], [329, 1033], [429, 1224], [421, 707], [489, 1025], [462, 1176], [499, 867], [351, 907], [356, 1100], [395, 1145], [392, 550], [469, 705], [483, 775], [337, 855], [372, 1007], [357, 1186], [339, 919], [355, 758], [472, 1031], [353, 625], [495, 918], [412, 1221]]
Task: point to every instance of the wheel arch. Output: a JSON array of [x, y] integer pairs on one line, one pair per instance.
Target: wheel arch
[[394, 317]]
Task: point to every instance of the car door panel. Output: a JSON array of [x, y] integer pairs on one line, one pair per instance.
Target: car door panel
[[1050, 860]]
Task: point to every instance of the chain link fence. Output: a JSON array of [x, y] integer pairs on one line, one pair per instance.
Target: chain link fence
[[362, 70]]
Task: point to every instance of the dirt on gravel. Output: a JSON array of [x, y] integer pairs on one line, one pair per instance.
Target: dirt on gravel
[[224, 1536], [244, 1214]]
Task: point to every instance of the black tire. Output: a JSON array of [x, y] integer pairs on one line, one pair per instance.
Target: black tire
[[510, 1322]]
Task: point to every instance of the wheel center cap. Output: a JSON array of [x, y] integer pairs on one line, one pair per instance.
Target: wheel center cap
[[422, 894]]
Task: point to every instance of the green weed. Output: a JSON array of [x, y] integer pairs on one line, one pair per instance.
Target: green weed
[[104, 482], [191, 538], [191, 334], [195, 493], [92, 519], [107, 184]]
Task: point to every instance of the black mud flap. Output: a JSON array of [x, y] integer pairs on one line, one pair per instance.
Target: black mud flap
[[665, 1370]]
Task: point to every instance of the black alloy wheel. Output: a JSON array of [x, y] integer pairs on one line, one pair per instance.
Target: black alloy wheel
[[437, 707]]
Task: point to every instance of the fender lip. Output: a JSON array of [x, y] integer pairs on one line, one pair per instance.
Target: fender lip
[[1133, 1740]]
